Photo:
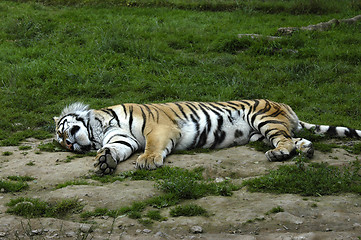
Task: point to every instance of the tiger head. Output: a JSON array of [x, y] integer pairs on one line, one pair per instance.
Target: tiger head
[[71, 128]]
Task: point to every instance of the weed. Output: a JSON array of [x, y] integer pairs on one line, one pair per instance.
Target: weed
[[188, 210], [32, 207], [21, 178], [53, 146], [145, 222], [155, 215], [71, 183], [7, 153], [30, 164], [22, 148], [355, 148], [10, 186], [309, 180], [275, 210]]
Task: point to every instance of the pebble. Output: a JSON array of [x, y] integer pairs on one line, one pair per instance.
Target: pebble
[[70, 234], [196, 229], [147, 231], [2, 234], [85, 228]]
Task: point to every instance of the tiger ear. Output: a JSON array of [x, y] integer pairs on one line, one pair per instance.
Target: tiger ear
[[55, 119]]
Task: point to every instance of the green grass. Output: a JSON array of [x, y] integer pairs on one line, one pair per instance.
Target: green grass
[[176, 184], [309, 179], [55, 52], [21, 178], [32, 207], [11, 186], [7, 153], [71, 183], [275, 210]]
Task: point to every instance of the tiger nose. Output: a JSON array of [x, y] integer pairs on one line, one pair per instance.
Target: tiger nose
[[68, 144]]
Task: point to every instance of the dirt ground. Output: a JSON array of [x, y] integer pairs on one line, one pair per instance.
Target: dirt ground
[[241, 216]]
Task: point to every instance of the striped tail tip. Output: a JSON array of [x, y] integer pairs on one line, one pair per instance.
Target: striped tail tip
[[331, 130]]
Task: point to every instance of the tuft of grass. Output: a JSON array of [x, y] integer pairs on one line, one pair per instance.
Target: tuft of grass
[[22, 148], [155, 215], [32, 207], [309, 180], [275, 210], [188, 210], [71, 183], [21, 178], [10, 186], [185, 187], [53, 146], [7, 153]]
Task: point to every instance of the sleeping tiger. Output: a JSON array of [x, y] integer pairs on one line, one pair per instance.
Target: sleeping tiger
[[118, 131]]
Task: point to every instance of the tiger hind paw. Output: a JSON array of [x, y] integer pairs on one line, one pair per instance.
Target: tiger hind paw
[[104, 162], [277, 155]]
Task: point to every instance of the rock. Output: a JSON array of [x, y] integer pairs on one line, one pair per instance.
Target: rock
[[147, 231], [70, 234], [2, 234], [161, 235], [85, 228], [196, 229]]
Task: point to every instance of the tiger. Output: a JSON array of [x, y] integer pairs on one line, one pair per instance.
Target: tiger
[[159, 129]]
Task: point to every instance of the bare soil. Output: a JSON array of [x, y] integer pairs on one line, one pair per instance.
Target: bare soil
[[241, 216]]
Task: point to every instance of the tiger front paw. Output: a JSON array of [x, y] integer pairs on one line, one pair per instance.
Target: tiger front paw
[[104, 162], [149, 161]]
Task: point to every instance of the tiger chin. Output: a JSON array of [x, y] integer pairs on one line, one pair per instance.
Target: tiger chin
[[117, 132]]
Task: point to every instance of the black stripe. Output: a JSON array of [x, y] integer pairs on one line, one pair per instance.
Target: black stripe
[[125, 111], [219, 135], [150, 113], [191, 108], [125, 144], [130, 124], [181, 109], [332, 131], [261, 111], [115, 116], [196, 133], [270, 121], [144, 120], [351, 133]]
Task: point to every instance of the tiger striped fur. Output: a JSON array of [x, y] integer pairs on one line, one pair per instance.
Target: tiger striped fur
[[118, 131]]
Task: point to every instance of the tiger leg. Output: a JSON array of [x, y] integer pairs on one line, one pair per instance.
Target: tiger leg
[[284, 145], [117, 146], [160, 141]]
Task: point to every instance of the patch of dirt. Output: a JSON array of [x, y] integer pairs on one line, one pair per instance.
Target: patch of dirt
[[241, 216]]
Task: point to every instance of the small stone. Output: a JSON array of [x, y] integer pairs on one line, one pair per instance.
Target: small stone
[[85, 228], [2, 234], [219, 179], [138, 230], [328, 230], [196, 229], [70, 234], [147, 231], [36, 232], [161, 235]]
